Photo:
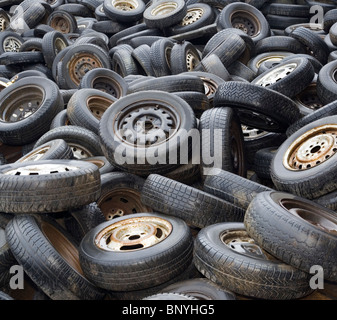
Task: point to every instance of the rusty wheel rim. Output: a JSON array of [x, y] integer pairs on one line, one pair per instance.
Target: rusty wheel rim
[[246, 22], [62, 245], [312, 214], [270, 58], [121, 202], [192, 15], [312, 148], [97, 105], [104, 84], [133, 234], [21, 103], [36, 154], [80, 64], [61, 24]]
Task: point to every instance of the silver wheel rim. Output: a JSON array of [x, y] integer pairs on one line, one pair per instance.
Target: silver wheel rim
[[133, 234], [40, 169], [276, 75], [11, 44]]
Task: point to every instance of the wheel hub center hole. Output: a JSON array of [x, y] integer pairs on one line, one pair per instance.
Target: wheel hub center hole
[[315, 149]]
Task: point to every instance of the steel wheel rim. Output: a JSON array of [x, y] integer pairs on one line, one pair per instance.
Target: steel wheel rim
[[133, 234], [125, 5], [191, 60], [240, 242], [312, 148], [79, 151], [276, 75], [192, 16], [80, 64], [60, 24], [147, 125], [276, 58], [59, 45], [21, 103], [36, 154], [311, 214], [246, 22], [62, 245], [250, 133], [164, 8], [106, 85], [121, 202], [309, 98], [40, 169], [98, 105]]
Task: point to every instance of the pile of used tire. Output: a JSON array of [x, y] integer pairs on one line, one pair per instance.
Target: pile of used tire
[[87, 83]]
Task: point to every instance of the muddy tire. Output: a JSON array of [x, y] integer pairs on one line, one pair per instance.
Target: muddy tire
[[133, 264], [51, 265], [294, 230], [226, 254], [79, 182]]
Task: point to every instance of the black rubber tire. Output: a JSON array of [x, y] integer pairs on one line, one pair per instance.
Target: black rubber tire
[[183, 57], [106, 80], [311, 182], [170, 83], [329, 109], [195, 207], [21, 58], [47, 267], [240, 95], [287, 9], [226, 15], [52, 43], [228, 49], [230, 187], [294, 239], [199, 102], [279, 43], [262, 162], [31, 127], [123, 63], [87, 106], [160, 56], [114, 182], [82, 220], [133, 13], [293, 82], [222, 125], [255, 274], [313, 42], [167, 19], [201, 288], [326, 83], [80, 186], [137, 269], [96, 52], [60, 120], [32, 44], [141, 56], [54, 149], [212, 64], [329, 19], [7, 260], [206, 16], [77, 138], [130, 157]]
